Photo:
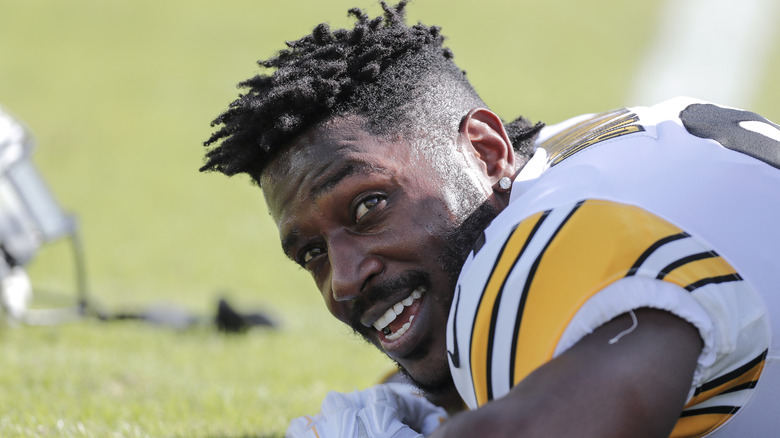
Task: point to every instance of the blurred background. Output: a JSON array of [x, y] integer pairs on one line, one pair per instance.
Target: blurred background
[[119, 96]]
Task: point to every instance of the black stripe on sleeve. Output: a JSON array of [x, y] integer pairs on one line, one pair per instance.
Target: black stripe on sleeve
[[710, 410], [714, 383], [488, 377], [713, 280], [497, 305], [684, 261], [529, 279], [747, 385], [652, 249]]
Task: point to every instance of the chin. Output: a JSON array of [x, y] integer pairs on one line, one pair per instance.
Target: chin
[[441, 384], [430, 374]]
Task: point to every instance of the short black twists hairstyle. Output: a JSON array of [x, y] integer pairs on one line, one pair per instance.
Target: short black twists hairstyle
[[381, 70]]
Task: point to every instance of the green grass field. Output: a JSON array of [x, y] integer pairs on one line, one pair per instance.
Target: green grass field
[[120, 95]]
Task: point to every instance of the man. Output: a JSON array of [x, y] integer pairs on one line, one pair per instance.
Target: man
[[609, 276]]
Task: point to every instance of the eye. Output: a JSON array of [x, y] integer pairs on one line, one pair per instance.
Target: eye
[[309, 254], [366, 204]]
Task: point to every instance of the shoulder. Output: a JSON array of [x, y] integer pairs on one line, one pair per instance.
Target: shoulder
[[604, 231], [541, 284], [680, 121]]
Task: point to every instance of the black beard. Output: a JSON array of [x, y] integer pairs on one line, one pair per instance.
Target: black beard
[[442, 387], [459, 243], [463, 239]]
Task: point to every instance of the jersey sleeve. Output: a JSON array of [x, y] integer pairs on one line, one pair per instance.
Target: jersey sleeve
[[558, 275]]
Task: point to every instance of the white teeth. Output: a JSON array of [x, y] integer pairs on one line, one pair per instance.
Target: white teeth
[[396, 310], [401, 331], [385, 320]]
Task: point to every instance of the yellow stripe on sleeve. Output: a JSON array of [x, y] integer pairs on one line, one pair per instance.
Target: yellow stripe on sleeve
[[698, 425], [594, 248], [698, 422], [484, 319], [742, 378], [598, 243]]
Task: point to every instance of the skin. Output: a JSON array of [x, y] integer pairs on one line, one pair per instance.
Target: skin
[[636, 387], [372, 220]]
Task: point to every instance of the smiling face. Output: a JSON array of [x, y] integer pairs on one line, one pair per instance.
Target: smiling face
[[383, 232]]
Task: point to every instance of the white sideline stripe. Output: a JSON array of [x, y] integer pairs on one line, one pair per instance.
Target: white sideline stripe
[[762, 128], [710, 49]]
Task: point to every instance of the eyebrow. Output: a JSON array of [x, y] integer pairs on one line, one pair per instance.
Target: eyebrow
[[349, 168], [325, 185], [289, 241]]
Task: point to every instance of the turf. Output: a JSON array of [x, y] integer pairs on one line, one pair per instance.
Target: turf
[[120, 94]]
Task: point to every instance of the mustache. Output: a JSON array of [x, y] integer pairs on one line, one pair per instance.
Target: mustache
[[385, 290]]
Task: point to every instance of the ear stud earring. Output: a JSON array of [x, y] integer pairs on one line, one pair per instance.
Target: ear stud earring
[[505, 183]]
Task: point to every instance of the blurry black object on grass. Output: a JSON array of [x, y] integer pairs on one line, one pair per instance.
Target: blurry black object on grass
[[230, 321], [226, 320]]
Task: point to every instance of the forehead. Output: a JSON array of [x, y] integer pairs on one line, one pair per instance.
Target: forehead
[[319, 159], [331, 141]]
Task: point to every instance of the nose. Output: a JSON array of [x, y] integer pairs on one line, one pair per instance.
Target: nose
[[352, 265]]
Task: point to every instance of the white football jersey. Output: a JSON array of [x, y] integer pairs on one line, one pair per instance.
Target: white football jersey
[[675, 207]]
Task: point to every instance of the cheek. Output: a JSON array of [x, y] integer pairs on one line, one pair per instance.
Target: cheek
[[339, 309], [432, 218]]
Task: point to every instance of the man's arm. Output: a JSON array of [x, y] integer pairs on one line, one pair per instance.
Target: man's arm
[[634, 387]]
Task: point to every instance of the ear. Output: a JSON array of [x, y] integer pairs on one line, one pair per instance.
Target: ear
[[490, 144]]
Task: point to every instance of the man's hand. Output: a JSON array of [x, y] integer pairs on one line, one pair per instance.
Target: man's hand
[[634, 387], [391, 410]]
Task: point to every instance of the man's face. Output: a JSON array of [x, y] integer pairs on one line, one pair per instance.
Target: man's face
[[381, 231]]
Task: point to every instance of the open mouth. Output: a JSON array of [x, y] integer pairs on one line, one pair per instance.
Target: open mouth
[[397, 320]]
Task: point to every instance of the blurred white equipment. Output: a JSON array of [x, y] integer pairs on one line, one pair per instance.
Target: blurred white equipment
[[389, 410], [29, 218]]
